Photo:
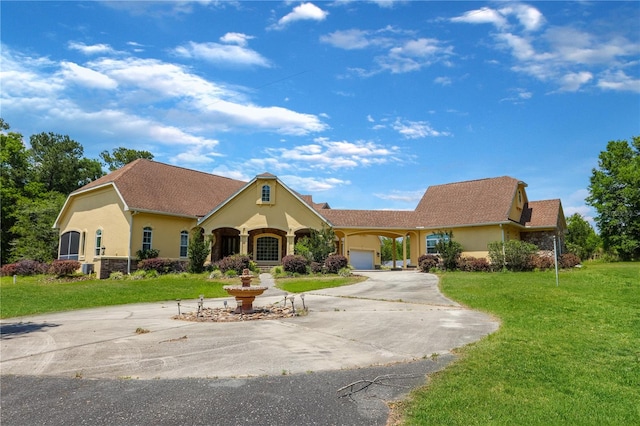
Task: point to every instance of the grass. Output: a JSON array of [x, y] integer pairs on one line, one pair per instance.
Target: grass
[[563, 355], [302, 284], [35, 295]]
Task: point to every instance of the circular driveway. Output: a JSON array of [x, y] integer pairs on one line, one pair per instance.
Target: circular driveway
[[393, 317]]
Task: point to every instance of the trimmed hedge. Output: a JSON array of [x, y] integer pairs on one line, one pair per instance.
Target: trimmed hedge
[[235, 263], [335, 262], [474, 264], [427, 262], [295, 264], [24, 267], [62, 268], [162, 266]]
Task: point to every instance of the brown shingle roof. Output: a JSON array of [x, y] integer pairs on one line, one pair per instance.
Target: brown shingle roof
[[543, 213], [153, 186], [369, 218], [467, 203]]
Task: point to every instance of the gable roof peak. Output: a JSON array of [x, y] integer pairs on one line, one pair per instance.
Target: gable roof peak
[[266, 175]]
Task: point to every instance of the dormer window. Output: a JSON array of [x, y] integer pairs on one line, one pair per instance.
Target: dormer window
[[266, 194]]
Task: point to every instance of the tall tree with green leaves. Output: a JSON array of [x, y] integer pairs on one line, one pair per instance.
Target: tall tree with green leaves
[[198, 249], [615, 194], [14, 174], [318, 246], [581, 238], [121, 156], [57, 162]]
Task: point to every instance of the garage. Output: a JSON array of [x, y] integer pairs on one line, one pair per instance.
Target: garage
[[361, 259]]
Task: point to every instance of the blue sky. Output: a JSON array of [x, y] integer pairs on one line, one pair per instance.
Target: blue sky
[[361, 104]]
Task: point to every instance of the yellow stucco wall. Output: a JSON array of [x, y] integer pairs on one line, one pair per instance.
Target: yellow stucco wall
[[99, 209], [245, 212], [165, 233]]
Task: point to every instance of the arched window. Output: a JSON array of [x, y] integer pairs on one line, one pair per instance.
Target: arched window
[[433, 240], [184, 243], [69, 244], [266, 193], [98, 241], [147, 233]]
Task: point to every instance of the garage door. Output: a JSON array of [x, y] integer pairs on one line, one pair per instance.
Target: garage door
[[361, 259]]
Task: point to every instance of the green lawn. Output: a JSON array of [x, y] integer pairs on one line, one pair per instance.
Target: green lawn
[[36, 295], [567, 355], [33, 295], [302, 284]]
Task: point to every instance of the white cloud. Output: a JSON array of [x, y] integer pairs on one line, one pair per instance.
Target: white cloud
[[326, 154], [236, 38], [484, 15], [313, 184], [416, 129], [223, 54], [302, 12], [573, 81], [444, 81], [404, 196], [86, 76], [619, 81], [349, 39], [529, 17], [95, 49]]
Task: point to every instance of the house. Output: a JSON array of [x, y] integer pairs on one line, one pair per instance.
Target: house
[[151, 205]]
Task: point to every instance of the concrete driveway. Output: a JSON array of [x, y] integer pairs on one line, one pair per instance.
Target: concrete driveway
[[393, 317]]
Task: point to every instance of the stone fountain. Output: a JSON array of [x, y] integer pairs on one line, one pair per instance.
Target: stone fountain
[[245, 294]]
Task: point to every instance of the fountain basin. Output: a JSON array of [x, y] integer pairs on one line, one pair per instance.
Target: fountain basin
[[244, 296]]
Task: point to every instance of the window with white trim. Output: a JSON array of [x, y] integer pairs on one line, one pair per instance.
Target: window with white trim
[[184, 243], [98, 241], [433, 240], [266, 194], [147, 234], [69, 245]]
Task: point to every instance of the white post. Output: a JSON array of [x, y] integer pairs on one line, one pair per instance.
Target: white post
[[555, 256]]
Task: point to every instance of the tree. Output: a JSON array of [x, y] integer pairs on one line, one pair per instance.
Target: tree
[[318, 246], [122, 156], [449, 251], [35, 239], [14, 171], [198, 250], [615, 194], [57, 162], [581, 239], [386, 249]]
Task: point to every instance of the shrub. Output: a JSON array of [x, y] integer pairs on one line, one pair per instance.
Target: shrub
[[515, 255], [236, 262], [198, 250], [345, 272], [542, 262], [317, 268], [231, 273], [427, 262], [449, 251], [568, 260], [117, 275], [162, 266], [215, 274], [295, 263], [147, 254], [335, 263], [8, 270], [25, 267], [62, 268], [474, 264]]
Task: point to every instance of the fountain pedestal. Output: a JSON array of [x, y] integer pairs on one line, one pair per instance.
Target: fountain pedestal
[[245, 294]]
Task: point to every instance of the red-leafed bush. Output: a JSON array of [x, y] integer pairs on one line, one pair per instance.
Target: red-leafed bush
[[335, 262], [474, 264], [295, 263], [317, 267], [62, 268], [162, 265], [542, 262], [236, 262], [25, 267], [568, 260], [427, 262]]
